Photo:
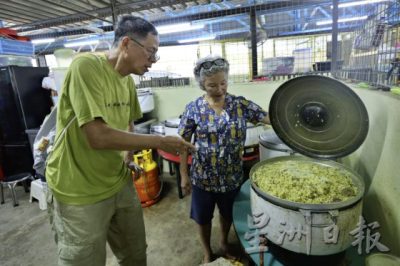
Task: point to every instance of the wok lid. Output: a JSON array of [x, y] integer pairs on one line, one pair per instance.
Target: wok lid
[[318, 116]]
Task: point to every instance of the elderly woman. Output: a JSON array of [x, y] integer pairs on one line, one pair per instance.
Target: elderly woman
[[218, 122]]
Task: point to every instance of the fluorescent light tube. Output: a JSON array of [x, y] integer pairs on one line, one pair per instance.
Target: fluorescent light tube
[[358, 3], [80, 43], [40, 41], [326, 22], [178, 28], [211, 37]]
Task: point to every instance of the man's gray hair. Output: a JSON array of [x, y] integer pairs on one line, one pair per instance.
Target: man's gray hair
[[200, 73], [134, 27]]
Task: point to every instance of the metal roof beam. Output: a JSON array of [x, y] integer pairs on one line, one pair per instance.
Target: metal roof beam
[[11, 19], [208, 15], [97, 3], [261, 9], [75, 3], [43, 6], [38, 6], [54, 22], [12, 16], [14, 6], [101, 2], [78, 11], [102, 12]]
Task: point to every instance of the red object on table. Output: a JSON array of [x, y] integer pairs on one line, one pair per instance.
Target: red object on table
[[173, 157], [6, 31], [250, 157], [12, 34]]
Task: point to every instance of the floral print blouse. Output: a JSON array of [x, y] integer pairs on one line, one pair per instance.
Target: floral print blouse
[[219, 141]]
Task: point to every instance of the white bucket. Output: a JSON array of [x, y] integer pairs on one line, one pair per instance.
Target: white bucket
[[64, 57], [171, 126], [146, 99], [59, 76]]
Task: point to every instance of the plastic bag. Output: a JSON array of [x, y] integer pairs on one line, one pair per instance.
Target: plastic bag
[[43, 142]]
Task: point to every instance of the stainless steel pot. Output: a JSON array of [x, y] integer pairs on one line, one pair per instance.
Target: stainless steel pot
[[157, 129], [308, 228], [319, 117], [270, 146], [171, 126]]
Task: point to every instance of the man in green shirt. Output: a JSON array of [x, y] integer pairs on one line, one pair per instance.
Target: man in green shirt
[[92, 199]]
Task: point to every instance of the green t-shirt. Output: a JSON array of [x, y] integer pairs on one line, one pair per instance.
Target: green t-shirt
[[76, 173]]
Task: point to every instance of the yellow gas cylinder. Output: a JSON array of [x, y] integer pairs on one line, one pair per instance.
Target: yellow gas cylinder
[[148, 185]]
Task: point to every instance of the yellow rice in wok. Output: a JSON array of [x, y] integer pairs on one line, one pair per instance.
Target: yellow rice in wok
[[305, 182]]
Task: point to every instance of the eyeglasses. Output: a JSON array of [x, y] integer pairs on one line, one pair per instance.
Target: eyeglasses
[[216, 62], [154, 57]]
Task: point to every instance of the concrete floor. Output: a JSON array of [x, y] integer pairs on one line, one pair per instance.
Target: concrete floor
[[27, 240]]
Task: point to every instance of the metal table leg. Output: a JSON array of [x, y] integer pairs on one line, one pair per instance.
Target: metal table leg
[[178, 180], [13, 193], [171, 169], [2, 193]]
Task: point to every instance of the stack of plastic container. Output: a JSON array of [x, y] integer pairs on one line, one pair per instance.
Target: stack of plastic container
[[64, 58]]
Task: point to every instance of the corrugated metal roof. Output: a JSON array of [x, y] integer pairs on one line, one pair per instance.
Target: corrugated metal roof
[[27, 16], [59, 18], [69, 19]]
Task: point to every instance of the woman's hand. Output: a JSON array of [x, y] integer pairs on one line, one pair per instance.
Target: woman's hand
[[266, 120]]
